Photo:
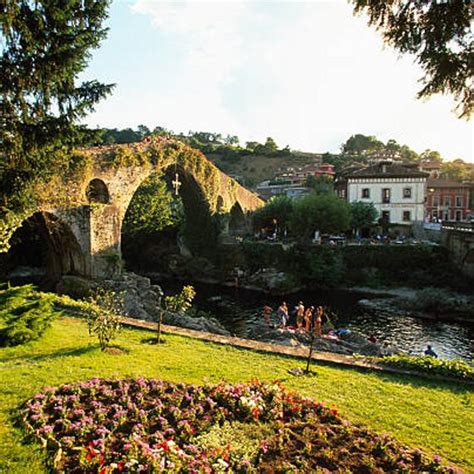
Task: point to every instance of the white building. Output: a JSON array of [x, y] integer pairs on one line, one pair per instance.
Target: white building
[[397, 190]]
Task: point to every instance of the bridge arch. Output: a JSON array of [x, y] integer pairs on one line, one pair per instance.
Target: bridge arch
[[97, 192], [42, 249], [94, 198]]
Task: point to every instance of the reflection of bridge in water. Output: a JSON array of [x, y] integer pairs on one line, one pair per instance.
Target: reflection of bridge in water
[[458, 238]]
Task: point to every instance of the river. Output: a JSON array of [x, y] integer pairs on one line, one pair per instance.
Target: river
[[238, 309]]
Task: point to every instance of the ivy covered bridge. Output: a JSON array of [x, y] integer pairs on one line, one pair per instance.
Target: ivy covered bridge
[[76, 222]]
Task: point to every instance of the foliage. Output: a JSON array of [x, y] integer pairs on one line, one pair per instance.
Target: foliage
[[457, 170], [25, 314], [326, 213], [45, 47], [182, 301], [320, 184], [359, 144], [64, 355], [438, 34], [135, 425], [363, 214], [450, 368], [103, 316], [276, 212], [152, 208]]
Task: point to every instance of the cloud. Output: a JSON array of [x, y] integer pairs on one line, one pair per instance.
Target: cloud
[[308, 74]]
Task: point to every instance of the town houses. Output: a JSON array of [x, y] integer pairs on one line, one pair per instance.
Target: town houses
[[447, 200], [397, 190], [404, 193]]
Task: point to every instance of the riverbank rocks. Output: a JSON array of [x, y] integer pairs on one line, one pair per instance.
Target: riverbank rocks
[[198, 324], [272, 281], [142, 300], [350, 344], [428, 303]]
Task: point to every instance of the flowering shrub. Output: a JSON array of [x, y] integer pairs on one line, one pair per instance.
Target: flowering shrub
[[146, 425]]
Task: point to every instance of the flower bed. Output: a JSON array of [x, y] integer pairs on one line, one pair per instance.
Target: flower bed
[[146, 425]]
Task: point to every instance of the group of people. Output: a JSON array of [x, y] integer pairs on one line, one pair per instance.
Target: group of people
[[301, 319]]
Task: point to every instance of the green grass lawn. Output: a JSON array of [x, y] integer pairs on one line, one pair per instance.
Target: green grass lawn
[[437, 417]]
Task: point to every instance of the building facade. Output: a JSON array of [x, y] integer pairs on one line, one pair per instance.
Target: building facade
[[397, 191], [447, 200]]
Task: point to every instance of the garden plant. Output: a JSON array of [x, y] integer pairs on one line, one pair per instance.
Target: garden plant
[[149, 425]]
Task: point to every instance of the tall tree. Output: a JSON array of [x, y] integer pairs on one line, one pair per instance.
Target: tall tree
[[326, 213], [46, 44], [438, 34]]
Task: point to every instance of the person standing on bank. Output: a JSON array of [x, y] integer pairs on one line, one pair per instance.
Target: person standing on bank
[[299, 316], [282, 314]]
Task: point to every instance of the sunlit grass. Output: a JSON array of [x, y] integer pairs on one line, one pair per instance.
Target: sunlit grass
[[436, 416]]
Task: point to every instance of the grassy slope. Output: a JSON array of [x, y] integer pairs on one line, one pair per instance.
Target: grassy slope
[[438, 417], [258, 168]]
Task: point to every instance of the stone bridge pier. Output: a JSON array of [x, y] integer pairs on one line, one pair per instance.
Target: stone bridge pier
[[458, 238]]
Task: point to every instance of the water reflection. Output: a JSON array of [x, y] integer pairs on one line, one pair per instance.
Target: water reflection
[[238, 310]]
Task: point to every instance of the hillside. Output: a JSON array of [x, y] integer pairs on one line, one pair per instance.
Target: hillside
[[252, 169]]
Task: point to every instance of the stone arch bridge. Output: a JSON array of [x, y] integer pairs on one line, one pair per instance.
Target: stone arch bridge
[[82, 213], [458, 238]]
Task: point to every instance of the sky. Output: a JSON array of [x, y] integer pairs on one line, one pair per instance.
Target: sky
[[308, 74]]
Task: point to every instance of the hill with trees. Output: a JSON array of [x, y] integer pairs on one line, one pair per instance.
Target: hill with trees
[[253, 162]]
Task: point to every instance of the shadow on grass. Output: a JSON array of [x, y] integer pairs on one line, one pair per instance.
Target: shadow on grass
[[71, 352]]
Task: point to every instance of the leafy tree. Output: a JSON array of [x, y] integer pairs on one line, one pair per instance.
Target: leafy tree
[[455, 170], [431, 155], [277, 212], [363, 215], [270, 146], [362, 144], [320, 184], [45, 46], [439, 34], [232, 140], [326, 213], [152, 208], [407, 154], [144, 131], [251, 146]]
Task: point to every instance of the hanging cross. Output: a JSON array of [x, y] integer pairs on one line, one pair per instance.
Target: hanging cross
[[176, 184]]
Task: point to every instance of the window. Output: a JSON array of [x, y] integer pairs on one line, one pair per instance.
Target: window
[[458, 201], [446, 216], [436, 201], [366, 193], [386, 216], [459, 215], [447, 201], [407, 193], [406, 216], [386, 195], [434, 214]]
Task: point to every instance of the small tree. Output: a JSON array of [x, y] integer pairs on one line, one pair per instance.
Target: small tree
[[175, 304], [103, 316], [363, 215]]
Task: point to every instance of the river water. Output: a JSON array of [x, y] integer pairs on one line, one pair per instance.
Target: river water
[[238, 309]]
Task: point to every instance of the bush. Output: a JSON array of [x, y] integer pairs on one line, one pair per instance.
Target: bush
[[103, 316], [25, 314], [450, 368]]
